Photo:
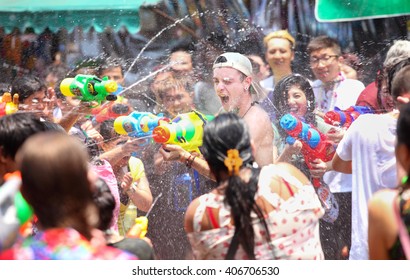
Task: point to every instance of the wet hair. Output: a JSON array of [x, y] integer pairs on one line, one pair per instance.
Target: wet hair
[[54, 171], [52, 126], [16, 128], [26, 86], [324, 42], [105, 202], [176, 84], [401, 83], [227, 131], [107, 130], [281, 99]]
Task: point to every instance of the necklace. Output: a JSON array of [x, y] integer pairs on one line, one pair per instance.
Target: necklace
[[253, 103]]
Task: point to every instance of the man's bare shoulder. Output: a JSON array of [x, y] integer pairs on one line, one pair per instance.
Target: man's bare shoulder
[[257, 116]]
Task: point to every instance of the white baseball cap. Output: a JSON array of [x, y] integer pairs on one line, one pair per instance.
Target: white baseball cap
[[234, 60]]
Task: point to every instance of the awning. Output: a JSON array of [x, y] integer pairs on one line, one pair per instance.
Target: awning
[[56, 14], [349, 10]]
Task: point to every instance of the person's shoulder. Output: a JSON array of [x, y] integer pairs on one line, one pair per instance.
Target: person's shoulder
[[267, 83], [381, 201], [316, 83], [258, 118], [355, 84], [284, 170]]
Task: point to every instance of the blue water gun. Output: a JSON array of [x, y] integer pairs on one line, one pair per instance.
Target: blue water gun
[[139, 124]]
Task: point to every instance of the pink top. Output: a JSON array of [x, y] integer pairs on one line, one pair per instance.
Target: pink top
[[107, 174], [293, 225]]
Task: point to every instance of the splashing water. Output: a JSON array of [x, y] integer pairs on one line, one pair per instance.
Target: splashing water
[[154, 38]]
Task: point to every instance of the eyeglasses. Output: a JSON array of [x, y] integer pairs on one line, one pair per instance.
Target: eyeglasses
[[327, 59]]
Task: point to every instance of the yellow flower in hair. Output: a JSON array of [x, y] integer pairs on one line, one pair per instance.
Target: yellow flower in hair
[[233, 161]]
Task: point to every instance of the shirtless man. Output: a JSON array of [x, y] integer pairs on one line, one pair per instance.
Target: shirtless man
[[233, 83], [234, 86]]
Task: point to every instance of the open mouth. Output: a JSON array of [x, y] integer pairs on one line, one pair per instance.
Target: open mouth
[[293, 110], [224, 99]]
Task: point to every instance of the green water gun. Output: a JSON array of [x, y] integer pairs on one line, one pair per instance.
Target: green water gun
[[89, 88]]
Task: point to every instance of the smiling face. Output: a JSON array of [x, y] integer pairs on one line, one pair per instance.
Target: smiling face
[[181, 61], [177, 101], [39, 104], [279, 53], [325, 64], [230, 86], [297, 101]]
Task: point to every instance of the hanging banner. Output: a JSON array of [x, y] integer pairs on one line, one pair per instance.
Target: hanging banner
[[350, 10]]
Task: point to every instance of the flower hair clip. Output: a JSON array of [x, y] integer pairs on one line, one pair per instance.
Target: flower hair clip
[[233, 161]]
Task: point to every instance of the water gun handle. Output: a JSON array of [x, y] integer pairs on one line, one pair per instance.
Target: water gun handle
[[140, 228], [290, 140]]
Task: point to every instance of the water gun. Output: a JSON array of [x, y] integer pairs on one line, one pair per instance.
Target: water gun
[[141, 223], [15, 213], [89, 88], [138, 124], [314, 144], [140, 228], [185, 130], [9, 105], [136, 167], [112, 110], [344, 118]]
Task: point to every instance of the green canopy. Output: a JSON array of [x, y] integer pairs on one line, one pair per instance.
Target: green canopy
[[56, 14], [349, 10]]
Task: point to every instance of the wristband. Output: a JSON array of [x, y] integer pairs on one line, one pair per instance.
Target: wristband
[[190, 160]]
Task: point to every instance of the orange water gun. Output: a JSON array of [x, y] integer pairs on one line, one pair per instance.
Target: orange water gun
[[185, 130]]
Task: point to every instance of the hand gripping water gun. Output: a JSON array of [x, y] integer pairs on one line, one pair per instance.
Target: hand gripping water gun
[[9, 105], [138, 124], [112, 110], [314, 143], [15, 213], [89, 88], [344, 118], [141, 223], [185, 130], [140, 228]]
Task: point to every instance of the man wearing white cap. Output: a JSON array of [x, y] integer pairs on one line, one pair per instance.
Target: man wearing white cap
[[232, 76], [234, 86]]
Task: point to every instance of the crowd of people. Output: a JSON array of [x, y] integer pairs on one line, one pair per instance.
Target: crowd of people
[[284, 167]]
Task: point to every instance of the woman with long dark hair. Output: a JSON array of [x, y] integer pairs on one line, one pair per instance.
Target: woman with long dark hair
[[268, 213]]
